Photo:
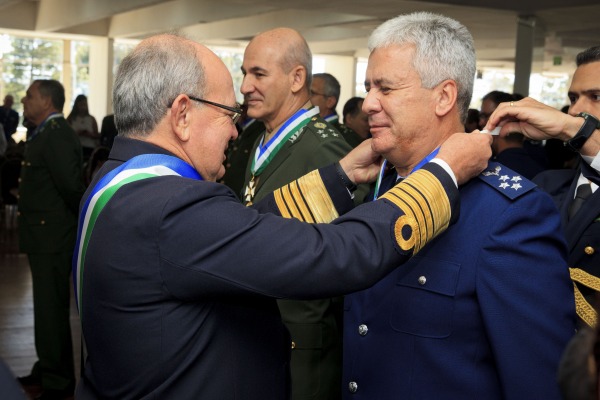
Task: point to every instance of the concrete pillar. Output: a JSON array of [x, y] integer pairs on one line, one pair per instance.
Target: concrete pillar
[[524, 53], [101, 77]]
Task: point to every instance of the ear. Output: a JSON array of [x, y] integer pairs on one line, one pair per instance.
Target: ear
[[298, 78], [180, 117], [330, 102], [446, 94]]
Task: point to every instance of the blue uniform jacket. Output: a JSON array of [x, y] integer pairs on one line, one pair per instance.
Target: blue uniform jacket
[[483, 312]]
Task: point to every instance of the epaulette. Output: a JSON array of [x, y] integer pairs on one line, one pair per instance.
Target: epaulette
[[53, 123], [323, 129], [506, 181]]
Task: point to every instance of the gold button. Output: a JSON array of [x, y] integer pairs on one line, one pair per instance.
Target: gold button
[[422, 280], [22, 162], [42, 222], [29, 164], [293, 344], [589, 250]]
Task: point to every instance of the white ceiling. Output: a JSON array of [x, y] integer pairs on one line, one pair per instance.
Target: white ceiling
[[331, 27]]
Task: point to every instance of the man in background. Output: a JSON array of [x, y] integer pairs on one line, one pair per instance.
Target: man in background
[[575, 191], [50, 188], [9, 118], [277, 89], [356, 122]]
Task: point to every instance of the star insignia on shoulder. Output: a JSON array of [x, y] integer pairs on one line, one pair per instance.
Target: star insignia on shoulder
[[504, 185], [516, 178], [496, 171], [516, 186], [504, 178]]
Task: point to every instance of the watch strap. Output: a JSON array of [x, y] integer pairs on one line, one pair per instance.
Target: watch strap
[[590, 124]]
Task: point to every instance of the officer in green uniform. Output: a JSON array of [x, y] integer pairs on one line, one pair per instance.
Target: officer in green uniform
[[50, 189], [277, 80]]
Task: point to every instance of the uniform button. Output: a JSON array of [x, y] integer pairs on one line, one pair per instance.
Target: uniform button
[[589, 250], [228, 165], [22, 163], [42, 222], [352, 387], [422, 280], [234, 148], [18, 213], [246, 151], [29, 164], [19, 180], [293, 344], [363, 330]]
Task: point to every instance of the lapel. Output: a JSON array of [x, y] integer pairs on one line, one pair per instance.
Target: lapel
[[586, 215], [275, 163]]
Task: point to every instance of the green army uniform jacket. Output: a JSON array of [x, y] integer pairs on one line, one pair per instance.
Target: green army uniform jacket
[[50, 189]]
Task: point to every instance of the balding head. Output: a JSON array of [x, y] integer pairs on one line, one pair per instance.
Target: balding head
[[288, 48], [277, 75]]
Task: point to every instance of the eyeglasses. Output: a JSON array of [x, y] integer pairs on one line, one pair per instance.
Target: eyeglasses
[[237, 111], [318, 94]]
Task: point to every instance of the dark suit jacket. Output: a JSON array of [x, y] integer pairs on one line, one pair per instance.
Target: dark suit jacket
[[315, 325], [483, 312], [180, 278], [583, 231], [50, 189]]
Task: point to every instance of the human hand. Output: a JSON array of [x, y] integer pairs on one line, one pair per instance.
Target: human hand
[[467, 154], [533, 119], [362, 164]]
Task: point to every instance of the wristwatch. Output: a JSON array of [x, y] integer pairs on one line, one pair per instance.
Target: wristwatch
[[590, 124]]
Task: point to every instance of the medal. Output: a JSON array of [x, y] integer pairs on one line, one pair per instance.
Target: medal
[[266, 152], [249, 192]]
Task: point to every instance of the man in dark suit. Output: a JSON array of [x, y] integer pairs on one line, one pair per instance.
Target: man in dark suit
[[277, 90], [573, 190], [490, 301], [9, 118], [50, 188], [176, 280]]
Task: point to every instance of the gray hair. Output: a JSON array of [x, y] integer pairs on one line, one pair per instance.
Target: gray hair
[[444, 49], [150, 78], [331, 87], [53, 89]]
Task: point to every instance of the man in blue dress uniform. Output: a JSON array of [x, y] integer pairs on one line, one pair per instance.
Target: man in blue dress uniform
[[486, 309]]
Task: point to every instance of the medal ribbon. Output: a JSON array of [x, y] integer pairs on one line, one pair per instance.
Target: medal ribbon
[[331, 118], [140, 167], [264, 154], [424, 161]]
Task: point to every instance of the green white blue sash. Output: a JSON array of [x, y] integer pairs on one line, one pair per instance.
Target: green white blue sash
[[264, 154], [140, 167]]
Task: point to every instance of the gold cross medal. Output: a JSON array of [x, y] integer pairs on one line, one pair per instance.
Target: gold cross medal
[[249, 193]]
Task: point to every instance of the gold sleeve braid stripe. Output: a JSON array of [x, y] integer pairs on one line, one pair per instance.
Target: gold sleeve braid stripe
[[306, 199], [585, 310], [423, 219]]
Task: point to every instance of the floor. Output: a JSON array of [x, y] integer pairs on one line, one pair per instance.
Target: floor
[[17, 348]]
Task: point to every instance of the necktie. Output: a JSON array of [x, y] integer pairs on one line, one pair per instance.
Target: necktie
[[583, 192]]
